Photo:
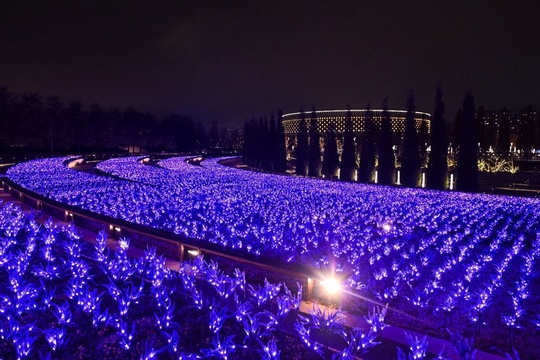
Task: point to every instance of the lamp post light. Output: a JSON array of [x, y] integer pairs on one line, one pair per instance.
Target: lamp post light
[[331, 285]]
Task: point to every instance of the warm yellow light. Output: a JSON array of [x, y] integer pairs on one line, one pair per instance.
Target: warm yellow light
[[331, 285], [193, 252]]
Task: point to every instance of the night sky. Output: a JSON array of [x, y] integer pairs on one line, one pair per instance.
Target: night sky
[[229, 60]]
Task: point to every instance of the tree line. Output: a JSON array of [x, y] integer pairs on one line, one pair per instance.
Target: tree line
[[371, 157], [264, 144], [33, 123]]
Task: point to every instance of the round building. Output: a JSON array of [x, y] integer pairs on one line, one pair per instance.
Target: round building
[[325, 118]]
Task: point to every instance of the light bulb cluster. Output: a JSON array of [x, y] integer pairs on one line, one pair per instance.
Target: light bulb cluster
[[455, 255], [49, 301]]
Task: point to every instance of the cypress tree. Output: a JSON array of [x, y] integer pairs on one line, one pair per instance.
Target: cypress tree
[[386, 152], [331, 157], [261, 144], [456, 130], [438, 167], [314, 147], [280, 162], [254, 138], [272, 148], [302, 147], [366, 168], [267, 152], [467, 165], [246, 144], [348, 155], [424, 138], [481, 129], [410, 157]]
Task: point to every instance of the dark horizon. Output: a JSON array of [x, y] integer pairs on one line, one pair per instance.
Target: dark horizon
[[228, 62]]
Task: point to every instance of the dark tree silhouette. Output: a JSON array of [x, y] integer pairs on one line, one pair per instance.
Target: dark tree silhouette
[[423, 138], [331, 157], [366, 168], [437, 171], [213, 134], [179, 132], [114, 119], [31, 124], [385, 174], [348, 155], [250, 143], [314, 147], [6, 99], [410, 156], [481, 129], [503, 142], [76, 121], [456, 130], [467, 166], [272, 146], [262, 140], [55, 112], [280, 162], [302, 147], [267, 143], [246, 146], [100, 134]]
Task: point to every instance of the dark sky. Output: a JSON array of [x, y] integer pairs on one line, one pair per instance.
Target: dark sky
[[227, 60]]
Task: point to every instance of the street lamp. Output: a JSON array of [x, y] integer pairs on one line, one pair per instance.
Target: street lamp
[[331, 285]]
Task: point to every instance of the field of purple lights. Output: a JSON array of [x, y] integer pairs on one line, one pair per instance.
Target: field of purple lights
[[467, 262]]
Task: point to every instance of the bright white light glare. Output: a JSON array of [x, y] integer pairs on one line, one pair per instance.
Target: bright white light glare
[[117, 229], [331, 285], [193, 252], [387, 227]]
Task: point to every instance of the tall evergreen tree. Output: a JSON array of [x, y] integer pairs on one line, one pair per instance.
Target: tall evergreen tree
[[456, 130], [410, 156], [348, 155], [213, 135], [423, 138], [330, 157], [314, 147], [246, 145], [273, 144], [54, 114], [437, 171], [385, 174], [6, 123], [267, 145], [250, 143], [281, 152], [302, 147], [262, 143], [366, 168], [467, 166], [481, 129]]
